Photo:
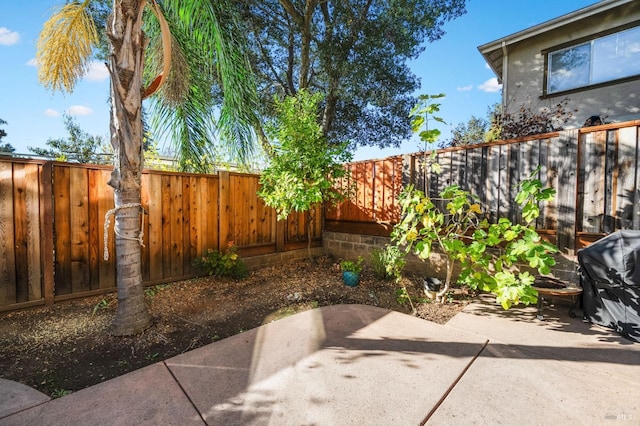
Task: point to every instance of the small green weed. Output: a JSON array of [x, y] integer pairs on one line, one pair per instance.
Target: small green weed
[[402, 297], [152, 357], [58, 393], [102, 304], [153, 290]]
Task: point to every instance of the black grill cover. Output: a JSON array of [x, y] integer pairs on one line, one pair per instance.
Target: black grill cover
[[610, 278]]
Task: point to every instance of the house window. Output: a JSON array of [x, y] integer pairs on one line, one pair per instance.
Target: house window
[[612, 57]]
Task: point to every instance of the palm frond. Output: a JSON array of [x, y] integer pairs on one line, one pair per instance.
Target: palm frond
[[217, 51], [65, 46], [176, 87], [189, 126]]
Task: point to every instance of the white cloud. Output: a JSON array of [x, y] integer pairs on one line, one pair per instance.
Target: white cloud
[[490, 85], [97, 72], [464, 88], [487, 66], [8, 37], [79, 110], [51, 113], [33, 62]]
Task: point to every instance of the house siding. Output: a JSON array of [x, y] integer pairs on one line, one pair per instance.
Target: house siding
[[523, 82]]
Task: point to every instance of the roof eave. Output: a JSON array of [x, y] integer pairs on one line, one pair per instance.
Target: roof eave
[[497, 45]]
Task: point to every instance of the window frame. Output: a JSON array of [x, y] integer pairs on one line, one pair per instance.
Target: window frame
[[575, 43]]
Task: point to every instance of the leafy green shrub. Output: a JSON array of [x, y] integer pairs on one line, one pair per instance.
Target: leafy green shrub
[[227, 264], [490, 254]]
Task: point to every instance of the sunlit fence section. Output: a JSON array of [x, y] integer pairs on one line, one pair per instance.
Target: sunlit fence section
[[52, 227], [594, 170]]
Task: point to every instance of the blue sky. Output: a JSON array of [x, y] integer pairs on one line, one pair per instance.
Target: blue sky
[[451, 65]]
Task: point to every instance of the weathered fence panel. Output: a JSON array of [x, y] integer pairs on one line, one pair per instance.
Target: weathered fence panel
[[594, 171], [21, 233]]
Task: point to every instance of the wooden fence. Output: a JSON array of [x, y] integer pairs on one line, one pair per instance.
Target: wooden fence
[[52, 236], [594, 170]]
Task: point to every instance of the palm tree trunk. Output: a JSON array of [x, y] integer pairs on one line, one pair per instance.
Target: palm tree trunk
[[125, 67]]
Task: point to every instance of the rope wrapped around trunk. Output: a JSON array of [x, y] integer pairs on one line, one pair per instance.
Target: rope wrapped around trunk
[[112, 212]]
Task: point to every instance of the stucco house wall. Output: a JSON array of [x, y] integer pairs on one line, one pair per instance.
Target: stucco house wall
[[519, 62]]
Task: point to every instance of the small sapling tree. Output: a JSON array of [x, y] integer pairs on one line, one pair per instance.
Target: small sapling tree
[[492, 256], [304, 167]]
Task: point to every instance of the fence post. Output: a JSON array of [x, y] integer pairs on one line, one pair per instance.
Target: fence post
[[46, 219]]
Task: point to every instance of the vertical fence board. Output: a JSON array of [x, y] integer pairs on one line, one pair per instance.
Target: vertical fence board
[[62, 230], [504, 181], [493, 187], [175, 220], [216, 212], [20, 231], [195, 219], [549, 178], [95, 248], [567, 166], [513, 168], [7, 237], [154, 226], [33, 235], [79, 218], [392, 172], [459, 168], [626, 171], [166, 226], [610, 181], [226, 218], [46, 221], [186, 225], [594, 190], [474, 179]]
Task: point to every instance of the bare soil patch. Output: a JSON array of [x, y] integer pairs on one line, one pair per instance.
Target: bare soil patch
[[68, 347]]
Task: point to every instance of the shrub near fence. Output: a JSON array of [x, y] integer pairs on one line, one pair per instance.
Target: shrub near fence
[[595, 171], [52, 219]]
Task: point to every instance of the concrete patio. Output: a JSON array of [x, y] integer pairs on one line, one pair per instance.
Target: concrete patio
[[354, 364]]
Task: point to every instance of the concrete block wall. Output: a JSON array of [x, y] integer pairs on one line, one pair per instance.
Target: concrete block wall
[[275, 259], [350, 246]]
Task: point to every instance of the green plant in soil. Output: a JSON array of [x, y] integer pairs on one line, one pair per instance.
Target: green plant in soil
[[352, 266], [380, 260], [227, 264]]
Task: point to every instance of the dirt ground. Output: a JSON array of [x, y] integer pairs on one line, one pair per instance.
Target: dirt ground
[[68, 347]]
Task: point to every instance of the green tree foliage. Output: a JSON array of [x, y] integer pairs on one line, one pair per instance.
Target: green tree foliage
[[5, 148], [191, 111], [304, 167], [472, 132], [79, 147], [354, 52]]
